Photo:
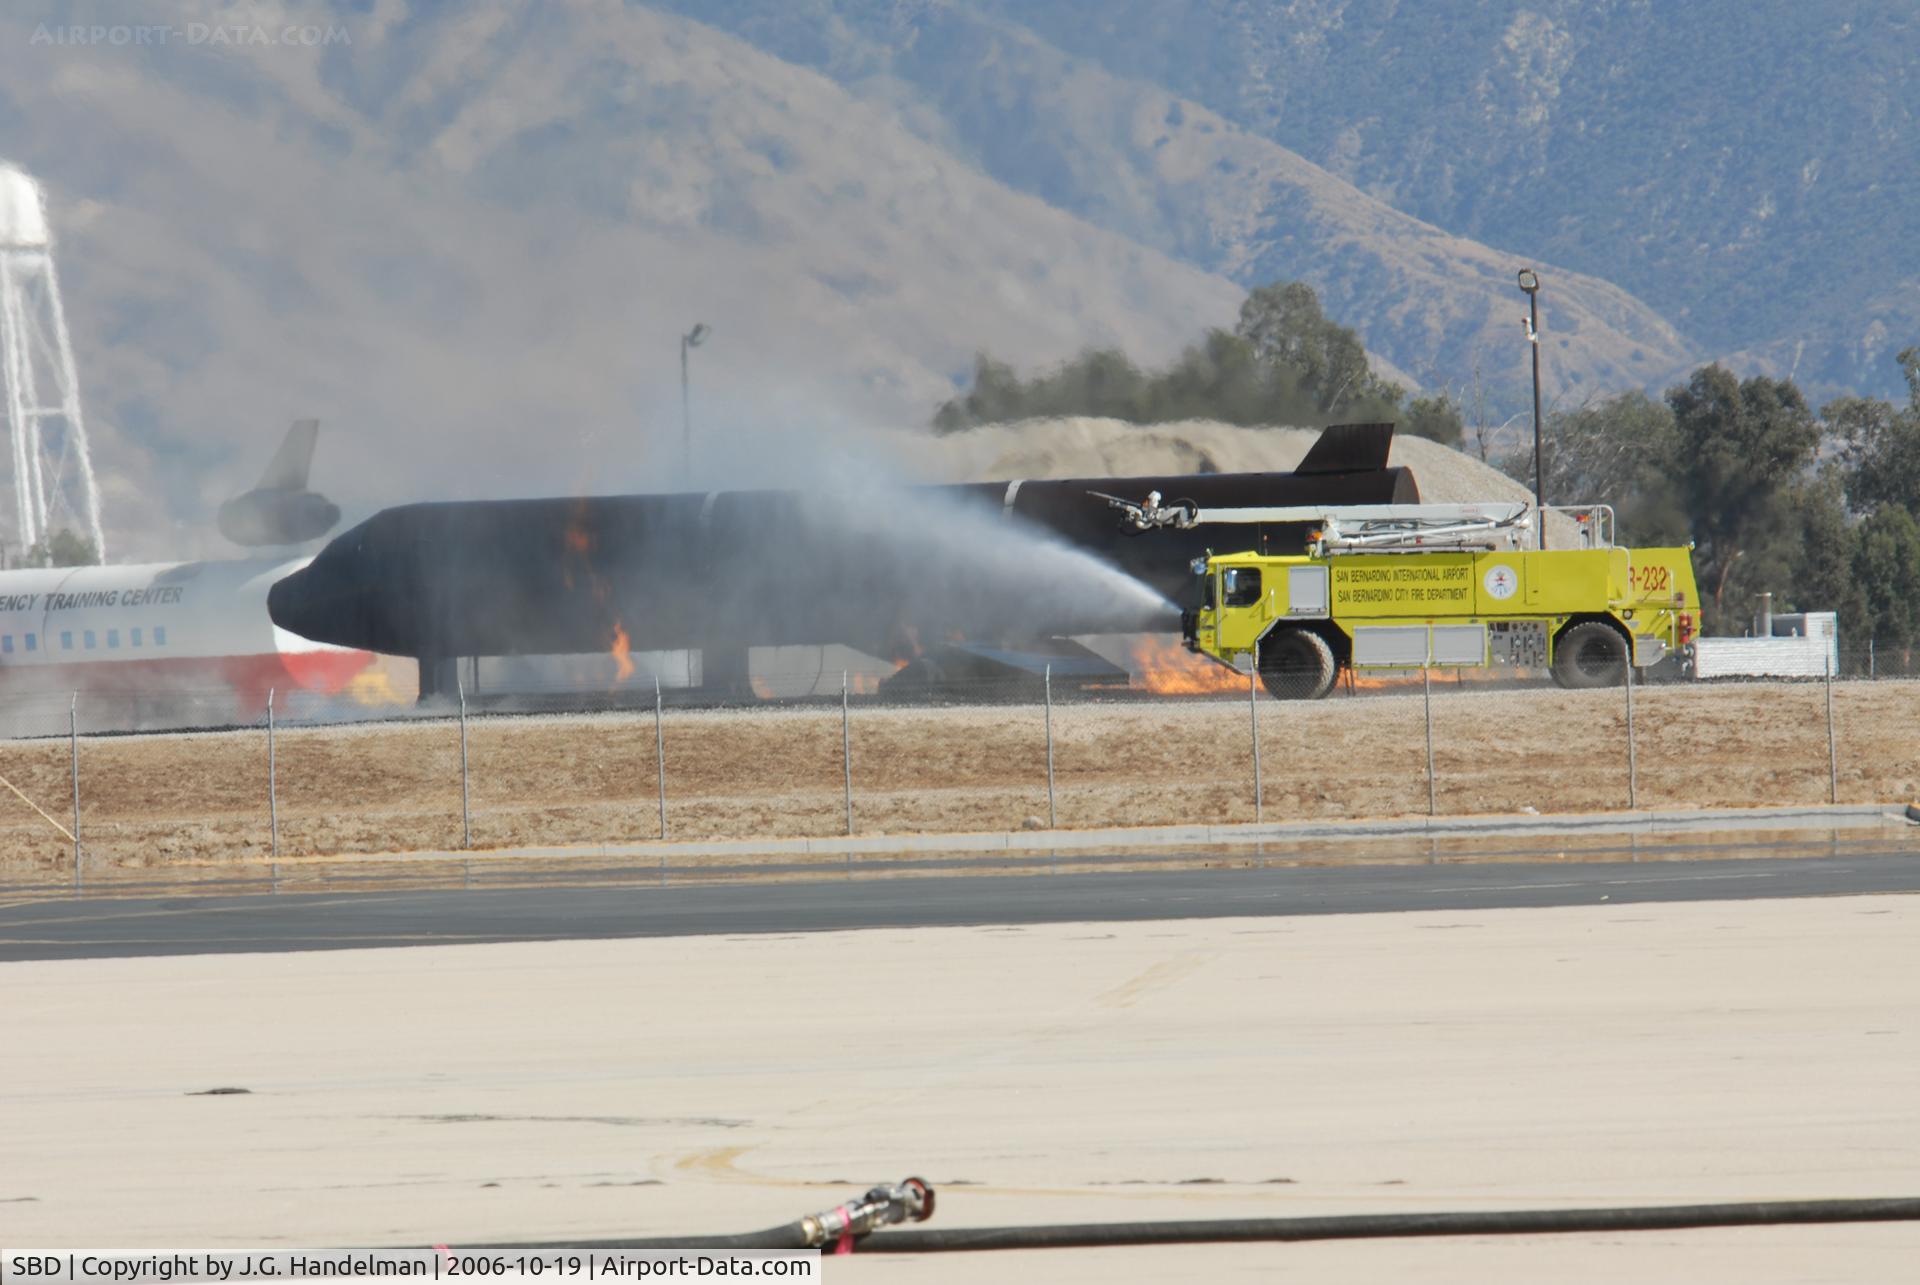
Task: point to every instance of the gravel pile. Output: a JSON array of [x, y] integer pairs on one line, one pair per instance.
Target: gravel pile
[[1083, 446]]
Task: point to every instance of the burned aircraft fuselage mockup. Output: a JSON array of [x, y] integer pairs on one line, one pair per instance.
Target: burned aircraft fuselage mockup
[[994, 560]]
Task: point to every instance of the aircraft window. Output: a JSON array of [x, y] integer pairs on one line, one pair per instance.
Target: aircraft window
[[159, 635], [66, 639], [88, 634], [32, 641], [1242, 587], [113, 637], [134, 641], [6, 643]]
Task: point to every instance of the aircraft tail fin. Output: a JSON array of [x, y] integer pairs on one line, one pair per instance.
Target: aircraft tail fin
[[1349, 448], [288, 471]]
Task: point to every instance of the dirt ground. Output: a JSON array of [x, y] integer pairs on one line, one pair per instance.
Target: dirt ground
[[184, 798]]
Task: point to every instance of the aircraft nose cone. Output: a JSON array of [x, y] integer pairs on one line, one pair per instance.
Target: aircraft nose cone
[[302, 604], [287, 606]]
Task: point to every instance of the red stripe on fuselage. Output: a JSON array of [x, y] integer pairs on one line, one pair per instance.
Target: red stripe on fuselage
[[247, 678]]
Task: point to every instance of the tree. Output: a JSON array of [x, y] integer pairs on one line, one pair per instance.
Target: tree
[[1285, 363], [62, 549], [1824, 576], [1286, 327], [996, 394], [1880, 444], [1619, 451], [1886, 567], [1742, 451], [1221, 378], [1435, 418]]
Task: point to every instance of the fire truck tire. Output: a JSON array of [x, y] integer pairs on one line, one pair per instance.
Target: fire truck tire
[[1297, 664], [1590, 654]]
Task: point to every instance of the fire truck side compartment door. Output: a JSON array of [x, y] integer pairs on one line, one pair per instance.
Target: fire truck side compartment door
[[1307, 592], [1563, 581], [1390, 646], [1459, 644]]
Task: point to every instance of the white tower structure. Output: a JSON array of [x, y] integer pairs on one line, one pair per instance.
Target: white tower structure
[[52, 473]]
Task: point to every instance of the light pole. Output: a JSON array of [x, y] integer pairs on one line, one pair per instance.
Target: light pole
[[692, 339], [1530, 283]]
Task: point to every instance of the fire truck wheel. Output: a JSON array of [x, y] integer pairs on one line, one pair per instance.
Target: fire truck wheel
[[1297, 664], [1590, 654]]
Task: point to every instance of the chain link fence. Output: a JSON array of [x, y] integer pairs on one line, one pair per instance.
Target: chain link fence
[[85, 800]]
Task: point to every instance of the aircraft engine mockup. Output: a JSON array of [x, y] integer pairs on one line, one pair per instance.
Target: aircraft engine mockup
[[281, 510]]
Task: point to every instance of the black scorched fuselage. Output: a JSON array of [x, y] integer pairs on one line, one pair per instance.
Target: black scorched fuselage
[[741, 568]]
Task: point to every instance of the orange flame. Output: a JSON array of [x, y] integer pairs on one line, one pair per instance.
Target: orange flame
[[577, 544], [906, 646], [1163, 666], [622, 652], [1410, 679]]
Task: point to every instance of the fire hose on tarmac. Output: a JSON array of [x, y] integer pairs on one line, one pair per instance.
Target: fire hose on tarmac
[[857, 1221], [908, 1201]]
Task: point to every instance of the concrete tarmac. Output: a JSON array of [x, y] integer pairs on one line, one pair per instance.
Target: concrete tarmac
[[616, 905], [610, 1057], [1610, 1053]]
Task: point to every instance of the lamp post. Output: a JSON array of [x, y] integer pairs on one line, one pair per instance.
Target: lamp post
[[1530, 283], [692, 339]]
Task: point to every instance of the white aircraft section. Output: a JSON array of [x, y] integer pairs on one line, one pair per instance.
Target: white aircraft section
[[138, 628]]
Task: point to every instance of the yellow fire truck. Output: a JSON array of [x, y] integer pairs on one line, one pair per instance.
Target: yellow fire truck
[[1391, 587]]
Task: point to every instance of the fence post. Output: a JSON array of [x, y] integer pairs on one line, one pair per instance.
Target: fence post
[[1426, 691], [1253, 714], [1053, 817], [846, 751], [1633, 766], [73, 744], [1870, 656], [466, 813], [1833, 749], [660, 761], [273, 786]]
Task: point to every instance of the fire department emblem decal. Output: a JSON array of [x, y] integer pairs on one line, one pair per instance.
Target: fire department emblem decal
[[1501, 582]]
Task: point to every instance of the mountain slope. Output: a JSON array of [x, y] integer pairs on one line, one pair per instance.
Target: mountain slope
[[1143, 161], [470, 241], [1751, 168]]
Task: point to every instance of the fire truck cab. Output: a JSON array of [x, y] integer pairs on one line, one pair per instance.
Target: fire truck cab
[[1397, 587]]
